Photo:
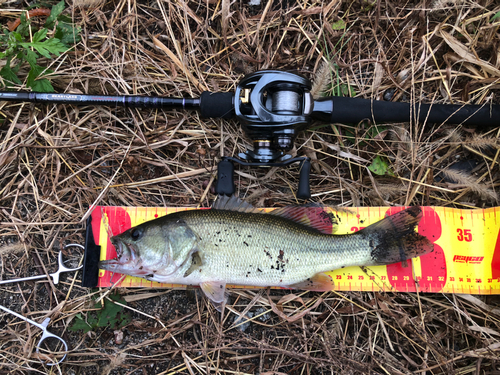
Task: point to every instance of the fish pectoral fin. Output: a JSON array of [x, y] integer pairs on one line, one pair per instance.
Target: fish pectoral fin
[[215, 291], [196, 263], [320, 282]]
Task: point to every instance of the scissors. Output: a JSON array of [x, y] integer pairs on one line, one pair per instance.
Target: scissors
[[46, 334], [55, 275]]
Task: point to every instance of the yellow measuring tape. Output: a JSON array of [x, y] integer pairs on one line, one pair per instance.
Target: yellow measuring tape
[[466, 257]]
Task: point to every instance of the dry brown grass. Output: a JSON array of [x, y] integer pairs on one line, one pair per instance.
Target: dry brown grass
[[56, 161]]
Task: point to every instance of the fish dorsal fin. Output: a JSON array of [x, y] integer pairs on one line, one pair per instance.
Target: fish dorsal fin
[[233, 203], [311, 215]]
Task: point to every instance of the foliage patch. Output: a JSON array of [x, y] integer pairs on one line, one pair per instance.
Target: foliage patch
[[27, 43], [109, 315]]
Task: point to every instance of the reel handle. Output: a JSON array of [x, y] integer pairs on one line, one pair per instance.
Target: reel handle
[[225, 182], [225, 172]]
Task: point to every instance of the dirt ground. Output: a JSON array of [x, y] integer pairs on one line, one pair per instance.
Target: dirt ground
[[56, 161]]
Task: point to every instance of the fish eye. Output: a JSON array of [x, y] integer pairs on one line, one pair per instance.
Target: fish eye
[[136, 233]]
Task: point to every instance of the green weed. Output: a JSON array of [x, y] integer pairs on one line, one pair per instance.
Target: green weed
[[110, 315], [53, 38], [380, 166]]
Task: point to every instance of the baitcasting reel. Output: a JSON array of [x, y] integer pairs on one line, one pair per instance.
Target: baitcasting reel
[[274, 106]]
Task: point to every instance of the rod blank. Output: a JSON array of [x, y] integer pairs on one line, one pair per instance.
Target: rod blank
[[128, 101]]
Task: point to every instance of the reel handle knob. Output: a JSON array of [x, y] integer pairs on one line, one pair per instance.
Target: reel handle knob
[[304, 190], [225, 182]]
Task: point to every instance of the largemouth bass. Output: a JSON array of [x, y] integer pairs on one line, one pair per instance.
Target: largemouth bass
[[234, 243]]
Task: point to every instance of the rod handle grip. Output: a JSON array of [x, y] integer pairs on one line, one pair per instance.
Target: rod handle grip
[[353, 110], [217, 104]]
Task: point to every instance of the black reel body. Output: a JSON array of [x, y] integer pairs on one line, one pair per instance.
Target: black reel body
[[273, 107]]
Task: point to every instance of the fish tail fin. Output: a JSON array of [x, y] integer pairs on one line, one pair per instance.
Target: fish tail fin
[[393, 239]]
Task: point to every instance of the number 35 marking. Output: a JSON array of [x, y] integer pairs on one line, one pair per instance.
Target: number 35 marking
[[464, 235]]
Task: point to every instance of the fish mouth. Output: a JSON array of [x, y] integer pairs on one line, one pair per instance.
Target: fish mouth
[[125, 256], [109, 265], [119, 247]]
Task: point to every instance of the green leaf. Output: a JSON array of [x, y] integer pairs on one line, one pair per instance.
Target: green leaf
[[32, 75], [80, 323], [42, 85], [47, 47], [15, 37], [4, 37], [124, 318], [19, 46], [64, 18], [9, 74], [31, 57], [20, 56], [24, 27], [380, 167], [39, 35], [54, 14], [108, 314], [35, 71], [67, 34], [111, 314], [339, 25], [495, 17]]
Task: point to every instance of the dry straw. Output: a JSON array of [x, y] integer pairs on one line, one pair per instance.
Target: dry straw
[[57, 161]]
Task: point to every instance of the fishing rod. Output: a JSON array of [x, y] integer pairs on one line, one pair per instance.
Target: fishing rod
[[273, 107]]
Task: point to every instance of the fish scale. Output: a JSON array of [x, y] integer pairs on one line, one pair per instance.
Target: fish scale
[[284, 251]]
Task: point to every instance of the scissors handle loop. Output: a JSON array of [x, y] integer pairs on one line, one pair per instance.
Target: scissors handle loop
[[55, 276], [48, 335]]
